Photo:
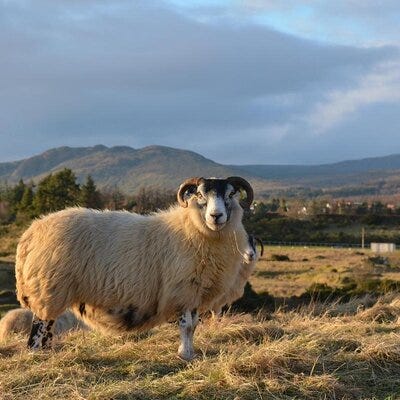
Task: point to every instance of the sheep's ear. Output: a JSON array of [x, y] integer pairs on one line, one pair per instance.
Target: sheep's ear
[[189, 185], [239, 183]]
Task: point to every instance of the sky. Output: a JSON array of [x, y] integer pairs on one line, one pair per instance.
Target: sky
[[241, 82]]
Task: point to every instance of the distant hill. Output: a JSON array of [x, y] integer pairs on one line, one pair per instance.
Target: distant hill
[[324, 171], [369, 176], [121, 166], [130, 169]]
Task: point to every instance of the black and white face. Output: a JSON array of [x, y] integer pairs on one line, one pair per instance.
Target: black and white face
[[250, 254], [215, 202], [215, 199]]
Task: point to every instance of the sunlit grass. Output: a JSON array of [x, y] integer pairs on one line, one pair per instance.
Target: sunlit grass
[[303, 354]]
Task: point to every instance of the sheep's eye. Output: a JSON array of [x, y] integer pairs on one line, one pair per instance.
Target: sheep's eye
[[231, 194]]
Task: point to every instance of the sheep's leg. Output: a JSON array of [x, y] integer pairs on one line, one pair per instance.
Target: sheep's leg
[[41, 334], [187, 325]]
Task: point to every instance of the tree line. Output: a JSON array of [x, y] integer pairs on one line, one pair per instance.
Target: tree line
[[60, 190], [275, 219]]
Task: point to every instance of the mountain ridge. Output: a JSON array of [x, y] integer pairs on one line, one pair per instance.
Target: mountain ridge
[[129, 169], [389, 162], [122, 167]]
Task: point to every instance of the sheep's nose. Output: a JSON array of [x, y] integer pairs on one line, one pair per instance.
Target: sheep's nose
[[217, 215]]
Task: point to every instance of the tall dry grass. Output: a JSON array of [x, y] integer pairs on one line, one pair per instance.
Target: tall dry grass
[[317, 352]]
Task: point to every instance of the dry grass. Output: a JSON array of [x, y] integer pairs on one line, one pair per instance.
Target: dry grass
[[321, 351], [292, 355], [317, 265], [9, 235]]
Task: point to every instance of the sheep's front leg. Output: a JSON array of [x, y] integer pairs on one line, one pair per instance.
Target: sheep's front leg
[[187, 325], [41, 334]]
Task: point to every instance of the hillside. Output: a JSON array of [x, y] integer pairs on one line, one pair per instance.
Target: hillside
[[377, 175], [122, 167], [164, 167], [283, 172]]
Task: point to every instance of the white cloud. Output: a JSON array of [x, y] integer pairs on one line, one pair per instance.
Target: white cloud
[[139, 73], [382, 85]]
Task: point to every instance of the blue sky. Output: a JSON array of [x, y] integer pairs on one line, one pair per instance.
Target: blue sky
[[267, 82]]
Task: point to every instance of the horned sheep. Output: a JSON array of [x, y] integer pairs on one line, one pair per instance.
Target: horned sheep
[[121, 271], [235, 292], [19, 321]]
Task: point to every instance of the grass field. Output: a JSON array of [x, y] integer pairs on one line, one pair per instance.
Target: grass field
[[328, 349], [334, 267]]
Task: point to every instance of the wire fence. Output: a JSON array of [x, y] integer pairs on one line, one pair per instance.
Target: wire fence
[[313, 244]]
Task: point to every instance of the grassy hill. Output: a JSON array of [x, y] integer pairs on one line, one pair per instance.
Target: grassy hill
[[165, 167], [365, 177], [123, 167], [324, 171]]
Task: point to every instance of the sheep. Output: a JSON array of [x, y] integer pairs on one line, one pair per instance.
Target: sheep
[[19, 321], [235, 292], [121, 271]]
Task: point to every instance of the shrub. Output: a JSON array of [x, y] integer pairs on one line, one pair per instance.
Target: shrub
[[279, 257]]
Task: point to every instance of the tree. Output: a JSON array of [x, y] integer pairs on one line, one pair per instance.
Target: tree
[[17, 192], [11, 197], [26, 204], [90, 197], [152, 199], [56, 192]]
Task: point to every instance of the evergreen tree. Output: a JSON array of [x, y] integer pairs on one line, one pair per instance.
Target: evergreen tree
[[12, 196], [56, 192], [90, 197], [26, 204], [17, 193]]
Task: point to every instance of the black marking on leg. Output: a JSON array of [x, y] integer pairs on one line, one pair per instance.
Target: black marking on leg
[[50, 325], [82, 309], [34, 333], [46, 340]]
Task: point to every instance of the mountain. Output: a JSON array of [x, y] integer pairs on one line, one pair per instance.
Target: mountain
[[324, 171], [121, 166], [130, 169]]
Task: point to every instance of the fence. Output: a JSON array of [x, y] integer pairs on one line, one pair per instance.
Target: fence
[[308, 244]]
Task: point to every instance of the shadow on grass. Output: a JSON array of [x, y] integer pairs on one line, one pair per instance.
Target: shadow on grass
[[10, 350], [274, 274]]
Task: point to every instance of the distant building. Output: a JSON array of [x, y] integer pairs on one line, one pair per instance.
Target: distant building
[[391, 207], [383, 247]]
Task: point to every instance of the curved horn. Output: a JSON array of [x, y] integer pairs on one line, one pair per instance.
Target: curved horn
[[239, 183], [189, 183], [259, 241]]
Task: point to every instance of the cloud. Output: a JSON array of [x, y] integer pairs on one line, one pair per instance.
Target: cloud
[[139, 73], [382, 85], [354, 22]]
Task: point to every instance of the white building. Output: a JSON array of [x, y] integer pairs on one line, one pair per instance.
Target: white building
[[383, 247]]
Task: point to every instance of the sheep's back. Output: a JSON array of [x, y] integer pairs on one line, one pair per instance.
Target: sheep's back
[[80, 255]]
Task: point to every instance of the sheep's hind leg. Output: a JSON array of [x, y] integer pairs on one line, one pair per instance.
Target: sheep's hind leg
[[187, 325], [41, 334]]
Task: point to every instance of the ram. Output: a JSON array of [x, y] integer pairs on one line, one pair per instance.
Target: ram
[[19, 321], [121, 271], [235, 292]]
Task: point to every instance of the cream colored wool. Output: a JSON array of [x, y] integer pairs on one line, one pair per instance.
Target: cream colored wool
[[19, 321], [123, 271], [236, 291]]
